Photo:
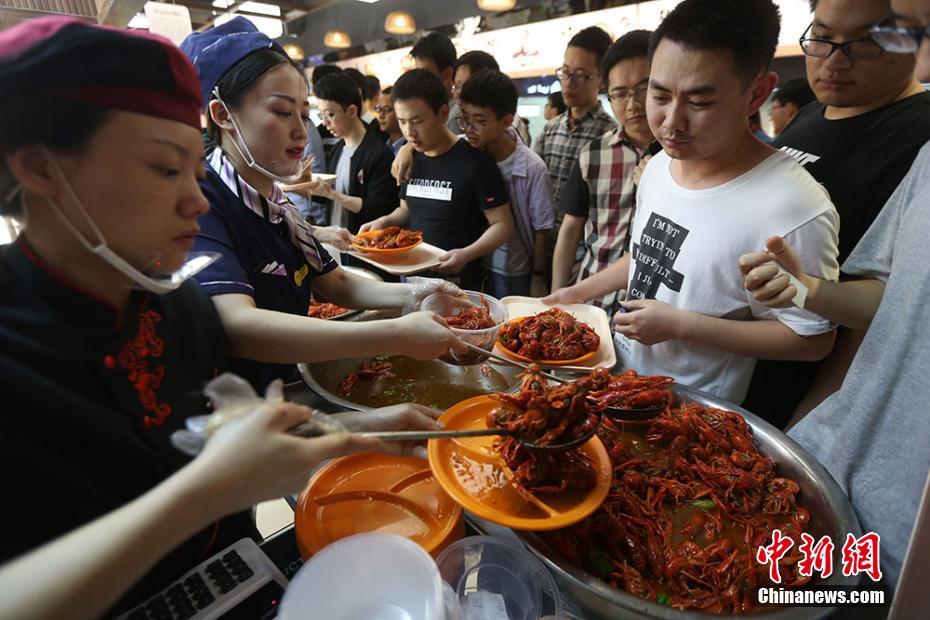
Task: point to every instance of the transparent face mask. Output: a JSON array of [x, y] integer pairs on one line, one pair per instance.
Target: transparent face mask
[[154, 281], [242, 147]]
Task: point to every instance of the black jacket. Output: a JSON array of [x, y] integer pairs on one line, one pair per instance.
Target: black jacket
[[369, 178]]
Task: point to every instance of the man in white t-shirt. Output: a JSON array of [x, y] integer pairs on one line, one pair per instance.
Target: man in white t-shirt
[[714, 193]]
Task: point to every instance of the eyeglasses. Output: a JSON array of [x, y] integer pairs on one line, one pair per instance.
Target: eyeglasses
[[899, 39], [863, 48], [565, 75], [381, 110], [477, 126], [638, 93]]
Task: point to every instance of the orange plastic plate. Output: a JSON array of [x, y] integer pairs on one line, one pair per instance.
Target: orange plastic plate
[[382, 251], [373, 492], [522, 358], [472, 472]]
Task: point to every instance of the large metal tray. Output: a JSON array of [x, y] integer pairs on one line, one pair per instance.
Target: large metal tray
[[321, 377], [831, 513]]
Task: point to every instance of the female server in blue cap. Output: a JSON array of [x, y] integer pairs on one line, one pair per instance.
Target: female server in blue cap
[[257, 104], [104, 347]]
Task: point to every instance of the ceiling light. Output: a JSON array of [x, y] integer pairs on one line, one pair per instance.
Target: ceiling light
[[496, 5], [295, 52], [337, 38], [368, 1], [400, 22]]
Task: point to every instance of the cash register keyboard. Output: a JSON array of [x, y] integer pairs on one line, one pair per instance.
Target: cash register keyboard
[[238, 582]]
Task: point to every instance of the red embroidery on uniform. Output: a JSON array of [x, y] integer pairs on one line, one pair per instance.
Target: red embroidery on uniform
[[135, 356]]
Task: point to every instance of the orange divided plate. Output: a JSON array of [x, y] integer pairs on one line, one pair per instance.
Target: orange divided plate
[[385, 251], [373, 492], [472, 472], [522, 358]]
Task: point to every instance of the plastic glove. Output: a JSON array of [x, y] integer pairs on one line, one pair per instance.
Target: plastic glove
[[339, 238], [421, 288], [406, 417]]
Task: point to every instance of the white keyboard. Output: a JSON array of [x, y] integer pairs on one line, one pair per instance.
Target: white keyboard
[[239, 582]]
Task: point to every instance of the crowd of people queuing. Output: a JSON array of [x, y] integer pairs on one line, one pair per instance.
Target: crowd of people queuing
[[781, 272]]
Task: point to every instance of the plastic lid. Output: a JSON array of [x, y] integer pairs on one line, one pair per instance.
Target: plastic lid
[[363, 577], [374, 492], [472, 472], [500, 579]]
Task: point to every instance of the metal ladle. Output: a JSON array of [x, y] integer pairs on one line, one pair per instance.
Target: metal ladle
[[615, 413], [314, 430]]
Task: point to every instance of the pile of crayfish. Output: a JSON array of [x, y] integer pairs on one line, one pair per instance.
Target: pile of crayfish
[[545, 415], [634, 391], [390, 238], [325, 310], [691, 501], [552, 335], [369, 370], [472, 317]]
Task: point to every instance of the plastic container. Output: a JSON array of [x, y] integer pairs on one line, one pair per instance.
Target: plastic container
[[445, 305], [366, 577], [495, 578], [374, 492]]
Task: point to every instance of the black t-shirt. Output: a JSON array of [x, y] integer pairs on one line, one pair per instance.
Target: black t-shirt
[[90, 399], [860, 160], [447, 195]]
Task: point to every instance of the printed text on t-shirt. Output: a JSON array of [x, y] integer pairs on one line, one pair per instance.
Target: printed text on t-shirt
[[430, 189], [654, 258]]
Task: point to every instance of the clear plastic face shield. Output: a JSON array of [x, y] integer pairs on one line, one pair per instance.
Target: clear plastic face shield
[[154, 281], [245, 153]]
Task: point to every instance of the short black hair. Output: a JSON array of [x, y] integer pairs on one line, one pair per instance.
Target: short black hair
[[634, 44], [421, 84], [796, 91], [388, 90], [321, 71], [748, 29], [340, 88], [592, 39], [491, 89], [557, 102], [436, 47], [372, 87], [476, 60], [356, 76]]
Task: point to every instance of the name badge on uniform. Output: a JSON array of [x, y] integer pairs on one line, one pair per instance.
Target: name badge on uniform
[[361, 177], [431, 190], [300, 274]]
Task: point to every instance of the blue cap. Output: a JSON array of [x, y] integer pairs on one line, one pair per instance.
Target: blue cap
[[215, 51]]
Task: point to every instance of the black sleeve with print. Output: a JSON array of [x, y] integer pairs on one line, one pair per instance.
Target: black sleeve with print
[[447, 195]]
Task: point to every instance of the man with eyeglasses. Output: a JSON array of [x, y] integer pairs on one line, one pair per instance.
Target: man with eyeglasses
[[454, 194], [872, 434], [597, 199], [858, 140], [387, 120], [364, 189], [585, 118]]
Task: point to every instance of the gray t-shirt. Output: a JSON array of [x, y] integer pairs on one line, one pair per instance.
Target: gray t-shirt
[[873, 435], [343, 167]]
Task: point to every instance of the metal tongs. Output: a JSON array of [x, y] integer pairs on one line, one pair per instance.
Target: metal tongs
[[615, 413]]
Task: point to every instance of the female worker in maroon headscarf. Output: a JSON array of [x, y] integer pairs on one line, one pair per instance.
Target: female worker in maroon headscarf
[[104, 345]]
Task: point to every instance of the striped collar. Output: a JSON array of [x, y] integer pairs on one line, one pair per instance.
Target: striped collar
[[249, 196]]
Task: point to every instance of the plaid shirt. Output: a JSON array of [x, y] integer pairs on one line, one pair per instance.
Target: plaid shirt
[[558, 144], [600, 188]]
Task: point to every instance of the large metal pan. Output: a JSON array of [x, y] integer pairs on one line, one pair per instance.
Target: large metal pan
[[452, 383], [830, 512]]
